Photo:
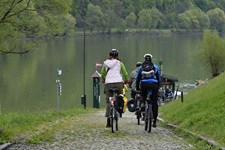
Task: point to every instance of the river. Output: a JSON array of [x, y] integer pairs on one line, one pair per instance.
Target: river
[[28, 82]]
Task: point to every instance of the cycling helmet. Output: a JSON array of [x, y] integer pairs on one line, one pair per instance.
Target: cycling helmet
[[148, 56], [138, 64], [113, 52]]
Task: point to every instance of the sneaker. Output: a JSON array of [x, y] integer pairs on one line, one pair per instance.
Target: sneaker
[[154, 125]]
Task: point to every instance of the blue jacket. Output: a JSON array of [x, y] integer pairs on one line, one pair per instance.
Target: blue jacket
[[155, 79]]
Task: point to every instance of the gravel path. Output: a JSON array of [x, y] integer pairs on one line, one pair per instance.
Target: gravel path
[[88, 132]]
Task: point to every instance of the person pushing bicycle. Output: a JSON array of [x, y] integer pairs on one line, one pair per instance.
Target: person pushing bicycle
[[112, 73], [148, 78]]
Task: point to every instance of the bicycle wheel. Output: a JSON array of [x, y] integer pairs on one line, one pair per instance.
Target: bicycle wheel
[[146, 117], [116, 119], [150, 118], [138, 116], [112, 119], [138, 113]]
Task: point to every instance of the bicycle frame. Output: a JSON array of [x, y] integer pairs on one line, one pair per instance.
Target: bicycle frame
[[138, 107], [113, 109]]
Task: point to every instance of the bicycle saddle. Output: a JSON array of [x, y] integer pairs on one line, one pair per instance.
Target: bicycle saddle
[[113, 90]]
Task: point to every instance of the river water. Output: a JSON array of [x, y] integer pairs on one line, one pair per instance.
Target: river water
[[28, 82]]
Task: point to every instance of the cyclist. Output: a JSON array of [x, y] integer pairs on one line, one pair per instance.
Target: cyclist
[[112, 73], [132, 80], [148, 77]]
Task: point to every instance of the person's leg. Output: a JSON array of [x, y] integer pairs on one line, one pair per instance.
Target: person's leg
[[107, 104], [110, 94], [144, 91]]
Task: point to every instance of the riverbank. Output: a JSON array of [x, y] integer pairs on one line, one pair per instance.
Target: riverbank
[[134, 32]]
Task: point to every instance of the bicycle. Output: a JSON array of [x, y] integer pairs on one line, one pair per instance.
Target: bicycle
[[113, 109], [138, 107], [148, 112]]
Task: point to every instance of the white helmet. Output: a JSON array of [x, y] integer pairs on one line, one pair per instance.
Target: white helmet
[[148, 56]]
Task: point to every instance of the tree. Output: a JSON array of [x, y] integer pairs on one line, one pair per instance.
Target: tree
[[217, 18], [183, 21], [145, 19], [110, 18], [198, 19], [93, 17], [20, 19], [157, 17], [213, 52], [130, 20], [79, 9]]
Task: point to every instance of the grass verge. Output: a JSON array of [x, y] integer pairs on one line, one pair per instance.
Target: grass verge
[[14, 124], [202, 111]]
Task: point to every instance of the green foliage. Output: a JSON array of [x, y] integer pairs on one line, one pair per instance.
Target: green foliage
[[217, 18], [145, 19], [31, 19], [157, 17], [169, 14], [94, 17], [50, 18], [130, 20], [213, 53], [184, 21], [197, 19], [202, 111]]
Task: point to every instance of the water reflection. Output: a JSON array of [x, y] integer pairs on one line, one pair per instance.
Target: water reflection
[[28, 82]]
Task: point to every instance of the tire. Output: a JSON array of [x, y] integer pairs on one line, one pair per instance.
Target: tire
[[138, 112], [112, 119], [146, 124], [146, 118], [116, 119], [138, 116], [150, 119]]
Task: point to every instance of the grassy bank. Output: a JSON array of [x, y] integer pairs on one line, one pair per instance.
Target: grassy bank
[[202, 111], [14, 124]]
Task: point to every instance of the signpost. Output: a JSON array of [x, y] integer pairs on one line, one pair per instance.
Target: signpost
[[96, 89], [59, 87]]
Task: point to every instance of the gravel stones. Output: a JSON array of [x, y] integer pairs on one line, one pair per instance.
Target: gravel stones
[[88, 132]]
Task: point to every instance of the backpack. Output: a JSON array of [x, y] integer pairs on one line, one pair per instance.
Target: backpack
[[148, 69], [120, 105]]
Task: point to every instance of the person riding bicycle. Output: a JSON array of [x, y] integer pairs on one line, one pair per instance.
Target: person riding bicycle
[[112, 73], [148, 77], [132, 80]]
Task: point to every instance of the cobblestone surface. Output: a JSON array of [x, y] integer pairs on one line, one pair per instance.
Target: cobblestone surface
[[88, 132]]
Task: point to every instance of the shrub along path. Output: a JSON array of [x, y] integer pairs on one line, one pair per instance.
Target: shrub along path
[[88, 131]]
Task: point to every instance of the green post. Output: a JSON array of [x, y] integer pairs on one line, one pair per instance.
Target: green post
[[96, 89]]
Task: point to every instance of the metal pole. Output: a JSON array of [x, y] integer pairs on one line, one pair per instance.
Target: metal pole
[[182, 97], [58, 86], [84, 74]]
